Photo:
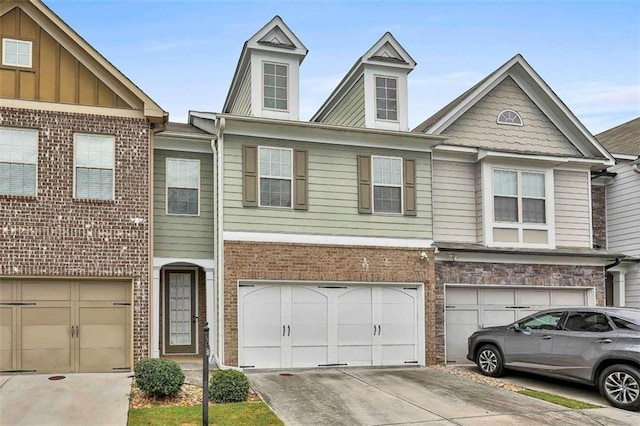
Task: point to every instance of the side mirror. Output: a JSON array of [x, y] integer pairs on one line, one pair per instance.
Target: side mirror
[[516, 327]]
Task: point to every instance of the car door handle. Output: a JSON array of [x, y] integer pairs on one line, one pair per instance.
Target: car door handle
[[604, 341], [546, 337]]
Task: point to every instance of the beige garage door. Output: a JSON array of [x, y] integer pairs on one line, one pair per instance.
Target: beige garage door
[[65, 326]]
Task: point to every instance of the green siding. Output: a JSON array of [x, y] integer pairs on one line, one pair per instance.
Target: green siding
[[350, 109], [183, 236], [333, 195]]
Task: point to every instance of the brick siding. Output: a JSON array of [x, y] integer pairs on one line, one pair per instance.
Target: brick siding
[[599, 216], [298, 262], [55, 235], [509, 274]]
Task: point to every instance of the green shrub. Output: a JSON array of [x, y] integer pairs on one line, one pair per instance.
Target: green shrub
[[159, 377], [228, 386]]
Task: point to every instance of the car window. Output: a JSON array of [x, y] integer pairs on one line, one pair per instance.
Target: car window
[[546, 321], [587, 321], [623, 324]]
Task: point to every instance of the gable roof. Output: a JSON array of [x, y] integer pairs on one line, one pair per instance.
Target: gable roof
[[85, 53], [274, 36], [622, 139], [537, 90], [387, 51]]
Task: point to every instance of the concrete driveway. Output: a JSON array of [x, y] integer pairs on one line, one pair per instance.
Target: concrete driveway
[[78, 399], [411, 396]]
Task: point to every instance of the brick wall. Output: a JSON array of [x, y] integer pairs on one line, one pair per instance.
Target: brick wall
[[53, 235], [599, 216], [513, 275], [275, 261]]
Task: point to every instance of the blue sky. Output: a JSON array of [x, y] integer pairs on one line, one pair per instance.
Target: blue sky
[[183, 53]]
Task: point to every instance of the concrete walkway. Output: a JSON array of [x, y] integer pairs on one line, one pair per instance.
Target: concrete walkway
[[78, 399], [411, 396]]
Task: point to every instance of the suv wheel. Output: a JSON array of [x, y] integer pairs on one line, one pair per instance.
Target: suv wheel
[[489, 361], [620, 385]]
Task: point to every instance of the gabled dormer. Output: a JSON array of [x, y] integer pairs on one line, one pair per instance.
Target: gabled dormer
[[266, 80], [374, 92]]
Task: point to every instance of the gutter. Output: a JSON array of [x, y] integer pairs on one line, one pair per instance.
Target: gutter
[[612, 265], [527, 253]]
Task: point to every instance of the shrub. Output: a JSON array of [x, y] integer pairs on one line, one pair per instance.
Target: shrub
[[228, 386], [159, 377]]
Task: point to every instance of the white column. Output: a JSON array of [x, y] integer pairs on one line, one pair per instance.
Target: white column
[[211, 319], [619, 288], [155, 319]]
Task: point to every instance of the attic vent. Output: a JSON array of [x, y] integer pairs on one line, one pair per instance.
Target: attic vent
[[510, 117]]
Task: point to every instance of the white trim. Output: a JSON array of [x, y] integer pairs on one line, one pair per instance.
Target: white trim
[[35, 163], [264, 237], [71, 108], [160, 262], [495, 155], [506, 122], [521, 258], [260, 176], [401, 185], [166, 186], [113, 165], [627, 157], [4, 52], [176, 143]]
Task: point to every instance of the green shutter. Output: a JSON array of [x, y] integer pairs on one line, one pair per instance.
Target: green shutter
[[250, 176], [364, 184], [300, 181]]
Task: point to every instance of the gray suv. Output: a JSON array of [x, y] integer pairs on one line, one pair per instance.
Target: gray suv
[[598, 346]]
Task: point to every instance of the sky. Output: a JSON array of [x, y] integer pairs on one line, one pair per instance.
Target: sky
[[183, 53]]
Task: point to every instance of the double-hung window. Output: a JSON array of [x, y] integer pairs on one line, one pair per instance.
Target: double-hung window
[[275, 78], [387, 184], [18, 161], [94, 166], [386, 98], [16, 53], [276, 171], [519, 207], [183, 186]]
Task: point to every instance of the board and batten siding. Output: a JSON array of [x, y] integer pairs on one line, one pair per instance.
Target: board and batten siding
[[350, 109], [242, 103], [623, 211], [333, 195], [183, 236], [478, 126], [454, 201], [573, 226]]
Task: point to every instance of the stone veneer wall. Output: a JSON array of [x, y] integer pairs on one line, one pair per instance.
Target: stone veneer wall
[[55, 235], [277, 261], [509, 274], [599, 216]]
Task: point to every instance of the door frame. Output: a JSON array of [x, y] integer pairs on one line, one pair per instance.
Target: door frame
[[194, 303]]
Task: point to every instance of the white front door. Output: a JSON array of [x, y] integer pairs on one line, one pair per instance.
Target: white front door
[[470, 308], [311, 326]]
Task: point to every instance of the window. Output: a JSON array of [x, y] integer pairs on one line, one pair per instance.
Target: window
[[546, 321], [275, 176], [387, 184], [183, 184], [386, 98], [18, 161], [519, 196], [510, 117], [275, 86], [596, 322], [94, 166], [16, 53]]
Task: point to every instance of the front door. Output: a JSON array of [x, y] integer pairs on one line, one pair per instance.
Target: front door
[[180, 312]]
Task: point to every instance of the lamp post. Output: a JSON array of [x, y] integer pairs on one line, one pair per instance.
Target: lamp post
[[205, 376]]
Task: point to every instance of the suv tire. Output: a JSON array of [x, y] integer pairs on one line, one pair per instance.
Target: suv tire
[[620, 386], [489, 361]]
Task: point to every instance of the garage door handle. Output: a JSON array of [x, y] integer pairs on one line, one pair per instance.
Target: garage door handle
[[283, 330], [379, 329], [547, 337], [72, 332], [288, 330]]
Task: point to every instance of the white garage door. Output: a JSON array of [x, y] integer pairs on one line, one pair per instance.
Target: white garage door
[[471, 308], [299, 326]]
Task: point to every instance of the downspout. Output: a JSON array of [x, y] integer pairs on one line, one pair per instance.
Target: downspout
[[155, 128], [612, 265]]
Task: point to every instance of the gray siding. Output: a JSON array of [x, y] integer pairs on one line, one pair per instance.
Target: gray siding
[[632, 286], [183, 236], [454, 201], [477, 127], [623, 212], [242, 104], [573, 227], [479, 202], [350, 110], [333, 196]]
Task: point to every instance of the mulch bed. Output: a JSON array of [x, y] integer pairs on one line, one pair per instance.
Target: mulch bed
[[189, 395]]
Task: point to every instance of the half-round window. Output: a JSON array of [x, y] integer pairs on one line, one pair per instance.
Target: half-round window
[[509, 116]]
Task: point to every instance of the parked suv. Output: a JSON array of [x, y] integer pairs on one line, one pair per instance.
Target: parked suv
[[598, 346]]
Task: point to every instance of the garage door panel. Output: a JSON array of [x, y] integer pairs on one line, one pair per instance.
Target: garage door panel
[[102, 359], [46, 360], [6, 339], [534, 297], [263, 357], [461, 296], [104, 291], [103, 336], [105, 316], [569, 298], [398, 354], [309, 356], [398, 313], [355, 334], [499, 296], [355, 355], [45, 290], [494, 317], [459, 323], [391, 334], [6, 291]]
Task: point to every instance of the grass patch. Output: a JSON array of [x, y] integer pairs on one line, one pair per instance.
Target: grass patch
[[557, 399], [241, 413]]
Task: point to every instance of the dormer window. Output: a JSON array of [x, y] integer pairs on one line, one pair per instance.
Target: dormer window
[[16, 53], [509, 117], [275, 77], [387, 98]]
